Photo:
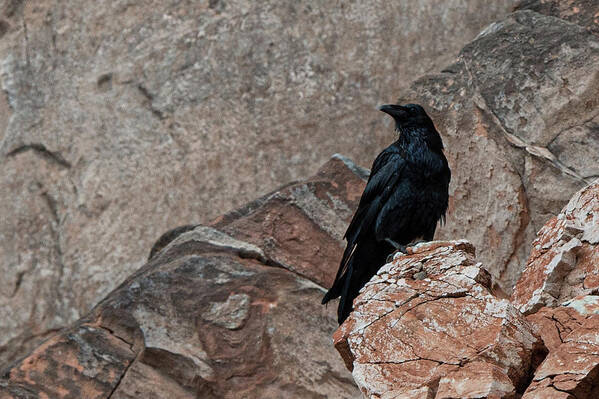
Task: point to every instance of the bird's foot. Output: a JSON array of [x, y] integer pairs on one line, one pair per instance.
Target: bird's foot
[[400, 249]]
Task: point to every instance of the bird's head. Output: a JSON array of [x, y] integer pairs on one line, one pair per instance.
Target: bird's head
[[406, 116], [411, 120]]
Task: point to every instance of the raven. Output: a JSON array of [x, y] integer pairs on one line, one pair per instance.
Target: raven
[[406, 195]]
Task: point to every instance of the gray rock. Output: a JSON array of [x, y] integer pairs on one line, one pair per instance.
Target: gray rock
[[230, 314]]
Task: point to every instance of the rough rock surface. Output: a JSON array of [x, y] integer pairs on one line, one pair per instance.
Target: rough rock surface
[[122, 119], [571, 332], [429, 326], [558, 289], [217, 312], [564, 260], [519, 113]]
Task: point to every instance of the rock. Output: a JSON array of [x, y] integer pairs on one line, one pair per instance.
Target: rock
[[558, 290], [564, 258], [445, 336], [579, 12], [87, 361], [571, 370], [301, 226], [122, 119], [431, 324], [310, 214], [518, 112], [201, 319], [552, 324]]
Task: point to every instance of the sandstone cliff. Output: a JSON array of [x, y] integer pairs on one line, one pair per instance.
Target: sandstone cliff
[[102, 101], [122, 119]]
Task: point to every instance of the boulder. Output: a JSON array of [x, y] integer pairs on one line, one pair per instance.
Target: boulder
[[558, 290], [571, 332], [217, 312], [428, 325], [431, 324], [564, 258]]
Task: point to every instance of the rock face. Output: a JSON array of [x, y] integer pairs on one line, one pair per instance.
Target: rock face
[[520, 114], [571, 371], [217, 312], [122, 119], [558, 290], [565, 255], [429, 326]]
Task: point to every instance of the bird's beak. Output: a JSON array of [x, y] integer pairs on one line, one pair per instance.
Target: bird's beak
[[396, 111]]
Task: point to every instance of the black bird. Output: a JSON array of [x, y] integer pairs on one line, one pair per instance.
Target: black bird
[[406, 195]]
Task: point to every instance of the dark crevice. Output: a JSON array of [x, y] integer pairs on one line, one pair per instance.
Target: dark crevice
[[18, 283], [4, 27], [434, 387], [144, 91], [537, 356], [439, 362], [111, 332], [41, 150], [559, 333], [26, 37], [118, 383], [104, 82], [562, 390]]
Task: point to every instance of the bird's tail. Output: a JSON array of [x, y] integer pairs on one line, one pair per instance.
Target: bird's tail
[[335, 290], [362, 264], [340, 282], [341, 288]]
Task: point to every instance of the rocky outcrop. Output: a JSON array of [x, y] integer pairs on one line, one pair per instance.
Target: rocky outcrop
[[202, 106], [430, 325], [564, 258], [122, 119], [571, 371], [558, 289], [519, 114], [219, 311]]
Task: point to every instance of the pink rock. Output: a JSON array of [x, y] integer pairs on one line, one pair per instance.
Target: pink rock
[[429, 324], [564, 258], [572, 368]]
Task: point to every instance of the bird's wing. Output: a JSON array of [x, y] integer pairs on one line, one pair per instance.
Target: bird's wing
[[386, 172]]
